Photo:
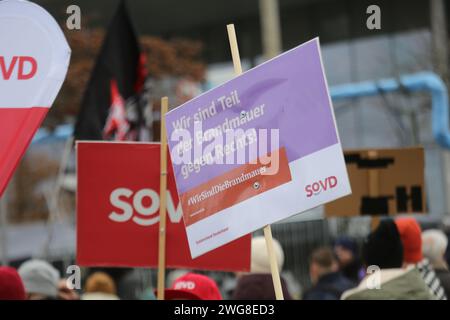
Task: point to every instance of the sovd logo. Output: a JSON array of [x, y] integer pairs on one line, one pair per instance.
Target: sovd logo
[[145, 203], [189, 285], [321, 185], [26, 67]]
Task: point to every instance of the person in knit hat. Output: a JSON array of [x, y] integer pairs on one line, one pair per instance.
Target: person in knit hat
[[386, 279], [258, 284], [100, 286], [347, 252], [40, 280], [383, 247], [259, 256], [411, 236], [11, 286], [434, 246], [193, 286]]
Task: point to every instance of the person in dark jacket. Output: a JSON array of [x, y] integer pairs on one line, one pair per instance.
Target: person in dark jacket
[[328, 282], [434, 245], [258, 284]]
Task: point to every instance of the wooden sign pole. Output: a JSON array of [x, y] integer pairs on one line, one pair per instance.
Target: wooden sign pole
[[162, 203], [273, 263], [267, 230]]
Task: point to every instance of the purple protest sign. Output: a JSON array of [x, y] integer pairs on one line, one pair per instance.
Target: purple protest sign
[[266, 139]]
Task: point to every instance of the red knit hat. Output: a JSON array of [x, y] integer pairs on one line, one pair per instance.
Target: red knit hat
[[11, 286], [193, 286], [411, 236]]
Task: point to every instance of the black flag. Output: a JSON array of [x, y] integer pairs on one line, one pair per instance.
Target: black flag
[[112, 105]]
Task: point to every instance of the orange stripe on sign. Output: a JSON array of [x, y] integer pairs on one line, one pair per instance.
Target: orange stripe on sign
[[233, 187]]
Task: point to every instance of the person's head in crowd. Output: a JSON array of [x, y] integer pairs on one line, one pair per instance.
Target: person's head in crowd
[[411, 236], [446, 229], [40, 279], [260, 262], [193, 286], [66, 293], [383, 246], [11, 286], [328, 283], [434, 245], [346, 250], [258, 284], [100, 286], [322, 262]]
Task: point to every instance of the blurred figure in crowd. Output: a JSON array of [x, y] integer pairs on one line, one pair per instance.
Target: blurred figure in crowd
[[328, 282], [386, 279], [434, 244], [172, 276], [11, 286], [129, 285], [347, 253], [411, 236], [258, 283], [40, 279], [100, 286], [193, 286]]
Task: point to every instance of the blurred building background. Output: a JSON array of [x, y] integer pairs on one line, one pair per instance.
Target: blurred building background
[[413, 38]]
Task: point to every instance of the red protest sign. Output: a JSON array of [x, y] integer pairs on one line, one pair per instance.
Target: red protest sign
[[118, 212]]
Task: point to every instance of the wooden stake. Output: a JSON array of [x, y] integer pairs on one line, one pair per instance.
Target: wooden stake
[[162, 203], [273, 263], [267, 230], [234, 49]]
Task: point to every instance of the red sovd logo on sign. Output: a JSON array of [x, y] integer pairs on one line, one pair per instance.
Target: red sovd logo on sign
[[321, 185], [142, 207], [25, 67]]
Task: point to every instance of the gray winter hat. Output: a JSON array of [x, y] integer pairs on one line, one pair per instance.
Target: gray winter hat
[[39, 277]]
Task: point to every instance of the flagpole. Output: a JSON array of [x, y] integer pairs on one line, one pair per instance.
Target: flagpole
[[267, 229], [162, 206]]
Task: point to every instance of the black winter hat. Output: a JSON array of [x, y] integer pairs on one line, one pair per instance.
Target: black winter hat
[[383, 247]]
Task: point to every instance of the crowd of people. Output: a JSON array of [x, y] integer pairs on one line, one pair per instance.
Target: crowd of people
[[396, 261], [39, 280]]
